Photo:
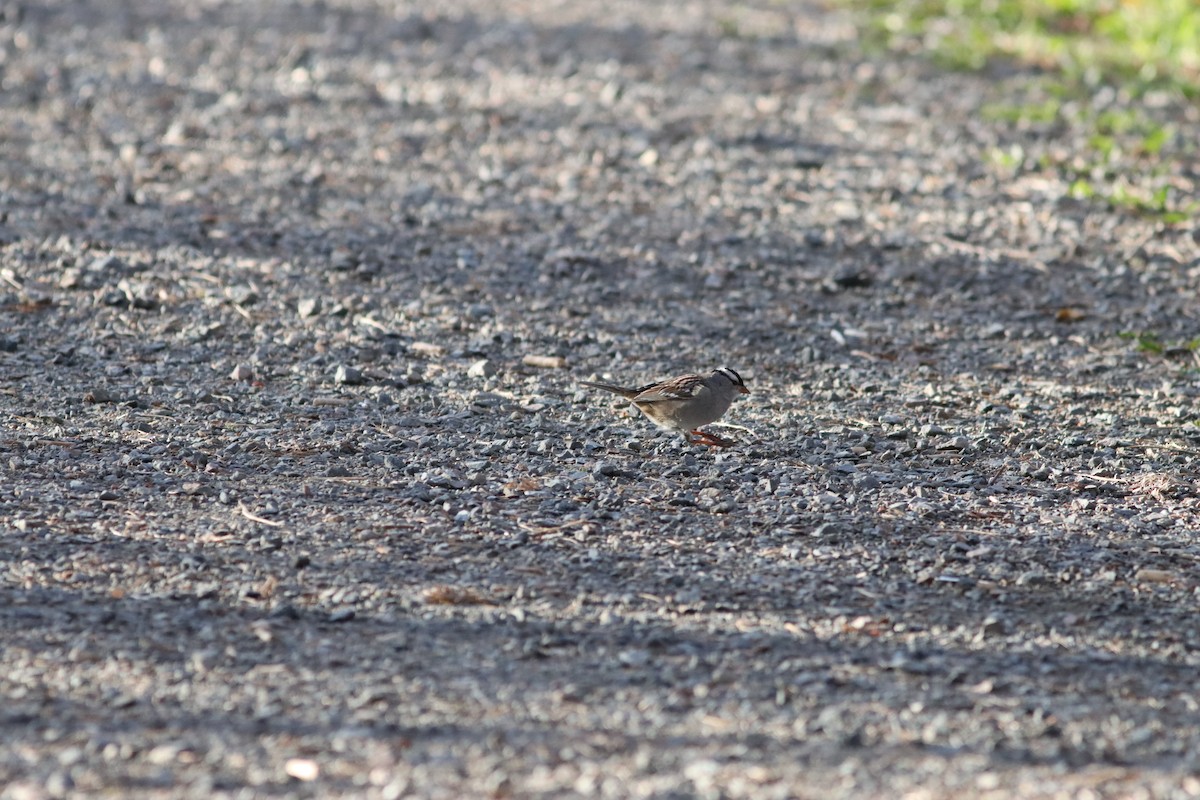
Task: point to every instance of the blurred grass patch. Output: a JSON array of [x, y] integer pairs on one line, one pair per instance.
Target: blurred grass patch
[[1144, 43], [1107, 73], [1151, 343]]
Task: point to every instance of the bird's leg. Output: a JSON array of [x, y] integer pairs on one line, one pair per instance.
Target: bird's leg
[[710, 439]]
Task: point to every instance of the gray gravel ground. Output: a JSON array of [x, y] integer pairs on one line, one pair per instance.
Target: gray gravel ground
[[300, 497]]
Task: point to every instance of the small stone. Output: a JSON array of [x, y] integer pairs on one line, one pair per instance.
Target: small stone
[[488, 400], [284, 611], [99, 395], [426, 349], [852, 278], [71, 278], [634, 658], [482, 369], [163, 754], [108, 263], [242, 372], [302, 769], [608, 469], [350, 376], [341, 615], [816, 238], [343, 259], [241, 295], [139, 294], [993, 625], [1033, 577], [997, 330], [866, 482], [308, 307], [58, 784], [477, 311]]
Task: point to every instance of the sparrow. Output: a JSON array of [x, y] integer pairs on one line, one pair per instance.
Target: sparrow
[[685, 403]]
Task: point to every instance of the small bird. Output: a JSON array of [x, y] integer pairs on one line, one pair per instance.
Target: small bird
[[685, 403]]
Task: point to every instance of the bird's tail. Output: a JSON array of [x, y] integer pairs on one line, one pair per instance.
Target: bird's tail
[[608, 387]]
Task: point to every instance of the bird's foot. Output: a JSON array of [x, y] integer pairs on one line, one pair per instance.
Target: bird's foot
[[710, 439]]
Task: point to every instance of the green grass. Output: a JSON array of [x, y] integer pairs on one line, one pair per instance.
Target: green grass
[[1143, 42], [1151, 343], [1104, 70]]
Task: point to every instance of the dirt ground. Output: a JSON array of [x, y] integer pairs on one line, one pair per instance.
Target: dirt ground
[[300, 496]]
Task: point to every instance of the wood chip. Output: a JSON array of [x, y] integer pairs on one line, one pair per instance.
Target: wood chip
[[1146, 575], [545, 362], [444, 595], [427, 349]]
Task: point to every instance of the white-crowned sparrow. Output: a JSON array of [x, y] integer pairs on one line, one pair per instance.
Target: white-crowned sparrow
[[685, 403]]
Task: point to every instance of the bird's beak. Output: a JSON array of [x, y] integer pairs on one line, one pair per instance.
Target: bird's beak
[[743, 390]]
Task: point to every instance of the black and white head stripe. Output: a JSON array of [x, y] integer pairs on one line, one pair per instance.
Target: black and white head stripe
[[734, 378]]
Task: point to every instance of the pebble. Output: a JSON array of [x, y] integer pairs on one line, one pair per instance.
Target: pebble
[[1033, 577], [864, 482], [303, 769], [994, 625], [242, 295], [347, 375], [609, 469], [100, 395], [427, 349], [484, 368], [108, 263]]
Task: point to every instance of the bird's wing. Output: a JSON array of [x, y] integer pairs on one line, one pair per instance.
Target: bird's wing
[[679, 389]]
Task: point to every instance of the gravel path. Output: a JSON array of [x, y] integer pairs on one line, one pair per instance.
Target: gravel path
[[301, 498]]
